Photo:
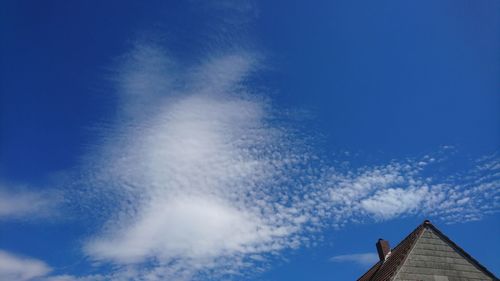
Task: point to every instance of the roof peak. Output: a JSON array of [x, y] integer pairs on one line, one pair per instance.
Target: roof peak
[[386, 268]]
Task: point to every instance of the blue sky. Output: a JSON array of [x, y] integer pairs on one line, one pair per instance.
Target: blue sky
[[266, 140]]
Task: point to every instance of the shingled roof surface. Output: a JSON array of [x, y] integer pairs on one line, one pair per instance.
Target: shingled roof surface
[[388, 269]]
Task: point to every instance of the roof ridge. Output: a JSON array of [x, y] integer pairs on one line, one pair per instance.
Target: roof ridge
[[393, 258], [398, 255], [367, 276], [411, 247]]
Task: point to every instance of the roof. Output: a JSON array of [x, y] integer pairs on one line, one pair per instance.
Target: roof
[[388, 269]]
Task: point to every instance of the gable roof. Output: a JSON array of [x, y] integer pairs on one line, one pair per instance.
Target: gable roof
[[387, 269]]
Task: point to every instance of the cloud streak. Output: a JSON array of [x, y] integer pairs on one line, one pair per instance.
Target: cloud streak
[[364, 259], [13, 267], [26, 205]]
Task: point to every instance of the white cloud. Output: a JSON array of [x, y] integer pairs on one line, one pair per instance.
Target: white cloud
[[66, 277], [391, 202], [364, 259], [18, 268], [187, 227], [411, 188], [196, 176], [21, 268], [25, 204], [201, 179], [61, 278]]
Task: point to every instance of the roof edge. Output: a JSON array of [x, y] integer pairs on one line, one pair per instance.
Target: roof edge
[[421, 230], [416, 232], [462, 251]]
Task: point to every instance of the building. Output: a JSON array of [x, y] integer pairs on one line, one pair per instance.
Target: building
[[426, 254]]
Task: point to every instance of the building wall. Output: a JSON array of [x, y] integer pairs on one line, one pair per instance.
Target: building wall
[[433, 259]]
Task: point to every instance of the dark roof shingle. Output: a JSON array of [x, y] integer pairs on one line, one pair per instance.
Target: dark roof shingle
[[384, 270]]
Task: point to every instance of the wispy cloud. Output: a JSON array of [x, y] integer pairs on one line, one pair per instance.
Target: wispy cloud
[[197, 176], [22, 268], [413, 187], [14, 267], [364, 259], [388, 203], [24, 204], [201, 177], [66, 277]]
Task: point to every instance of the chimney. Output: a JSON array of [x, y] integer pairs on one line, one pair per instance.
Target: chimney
[[383, 249]]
